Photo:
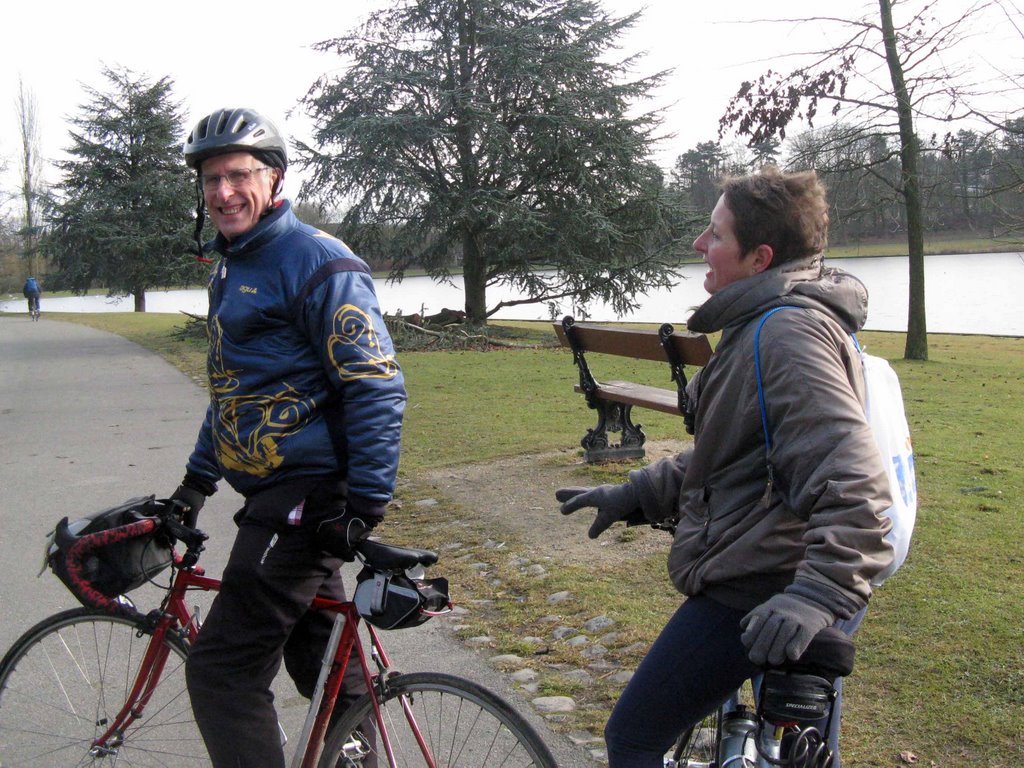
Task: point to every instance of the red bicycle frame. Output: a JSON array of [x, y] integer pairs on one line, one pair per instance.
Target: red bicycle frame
[[176, 617]]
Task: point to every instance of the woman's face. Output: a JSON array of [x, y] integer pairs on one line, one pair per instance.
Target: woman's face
[[721, 251]]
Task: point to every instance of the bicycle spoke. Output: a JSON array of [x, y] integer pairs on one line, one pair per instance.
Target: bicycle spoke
[[64, 684], [457, 722]]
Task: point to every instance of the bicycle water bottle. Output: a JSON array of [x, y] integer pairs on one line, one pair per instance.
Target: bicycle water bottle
[[737, 747]]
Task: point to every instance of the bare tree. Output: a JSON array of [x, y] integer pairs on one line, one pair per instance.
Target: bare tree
[[1008, 180], [888, 78], [31, 162], [861, 174]]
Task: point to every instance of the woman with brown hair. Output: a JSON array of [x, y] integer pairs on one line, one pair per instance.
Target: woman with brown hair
[[773, 542]]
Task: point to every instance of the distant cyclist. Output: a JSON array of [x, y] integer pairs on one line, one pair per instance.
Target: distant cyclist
[[32, 292]]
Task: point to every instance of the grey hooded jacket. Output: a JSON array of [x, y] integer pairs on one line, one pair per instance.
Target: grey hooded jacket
[[817, 529]]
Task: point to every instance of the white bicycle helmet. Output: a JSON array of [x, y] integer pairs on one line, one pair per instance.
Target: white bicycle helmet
[[233, 130], [236, 130]]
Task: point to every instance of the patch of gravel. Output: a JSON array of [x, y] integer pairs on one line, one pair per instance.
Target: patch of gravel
[[518, 494]]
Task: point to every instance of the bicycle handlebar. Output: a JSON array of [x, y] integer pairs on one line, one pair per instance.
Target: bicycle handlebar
[[668, 525], [166, 518], [167, 515]]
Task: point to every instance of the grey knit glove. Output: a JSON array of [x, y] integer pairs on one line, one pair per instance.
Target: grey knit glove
[[613, 502], [782, 627]]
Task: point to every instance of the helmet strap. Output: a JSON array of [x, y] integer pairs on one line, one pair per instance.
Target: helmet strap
[[197, 235]]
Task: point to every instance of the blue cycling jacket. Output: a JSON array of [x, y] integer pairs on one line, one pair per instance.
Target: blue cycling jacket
[[303, 380]]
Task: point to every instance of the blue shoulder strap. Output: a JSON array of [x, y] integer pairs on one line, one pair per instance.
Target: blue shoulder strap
[[757, 372]]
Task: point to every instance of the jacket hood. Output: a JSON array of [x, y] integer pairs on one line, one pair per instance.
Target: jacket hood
[[802, 283]]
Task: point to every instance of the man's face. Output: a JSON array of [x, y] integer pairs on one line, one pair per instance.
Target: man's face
[[238, 189]]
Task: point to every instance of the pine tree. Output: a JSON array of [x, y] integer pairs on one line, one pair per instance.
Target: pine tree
[[123, 211], [497, 137]]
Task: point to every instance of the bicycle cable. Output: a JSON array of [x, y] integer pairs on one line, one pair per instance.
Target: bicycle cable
[[804, 748]]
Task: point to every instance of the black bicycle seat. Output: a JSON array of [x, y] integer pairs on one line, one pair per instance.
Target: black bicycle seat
[[831, 654], [386, 557]]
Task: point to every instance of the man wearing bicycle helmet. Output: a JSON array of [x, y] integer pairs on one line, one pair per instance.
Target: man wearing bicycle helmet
[[304, 422]]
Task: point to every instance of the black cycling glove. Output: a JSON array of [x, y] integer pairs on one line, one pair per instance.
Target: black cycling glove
[[340, 535], [193, 492]]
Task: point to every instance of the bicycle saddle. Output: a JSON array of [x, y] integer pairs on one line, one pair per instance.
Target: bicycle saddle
[[831, 654], [386, 557]]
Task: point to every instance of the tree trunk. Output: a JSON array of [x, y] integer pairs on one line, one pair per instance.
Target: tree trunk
[[474, 267], [140, 299], [31, 171], [474, 278], [910, 150], [965, 201]]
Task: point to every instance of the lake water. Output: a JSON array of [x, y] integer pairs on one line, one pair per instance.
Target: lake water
[[976, 294]]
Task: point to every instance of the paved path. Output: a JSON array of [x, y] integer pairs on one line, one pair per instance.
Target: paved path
[[87, 420]]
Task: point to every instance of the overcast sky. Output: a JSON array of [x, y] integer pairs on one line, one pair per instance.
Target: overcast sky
[[258, 54]]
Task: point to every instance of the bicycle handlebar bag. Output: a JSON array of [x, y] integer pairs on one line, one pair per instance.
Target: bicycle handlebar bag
[[117, 567]]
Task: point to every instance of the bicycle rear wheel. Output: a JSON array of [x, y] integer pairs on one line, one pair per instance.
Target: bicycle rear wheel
[[65, 680], [459, 723], [698, 746]]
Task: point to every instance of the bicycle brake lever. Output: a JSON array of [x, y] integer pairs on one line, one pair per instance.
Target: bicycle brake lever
[[190, 537]]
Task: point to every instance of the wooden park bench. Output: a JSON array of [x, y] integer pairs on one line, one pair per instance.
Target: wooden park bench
[[614, 400]]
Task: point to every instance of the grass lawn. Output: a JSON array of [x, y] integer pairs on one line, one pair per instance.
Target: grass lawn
[[934, 244], [940, 670]]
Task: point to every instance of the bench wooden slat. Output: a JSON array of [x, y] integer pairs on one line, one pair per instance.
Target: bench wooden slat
[[644, 344], [614, 400], [655, 398]]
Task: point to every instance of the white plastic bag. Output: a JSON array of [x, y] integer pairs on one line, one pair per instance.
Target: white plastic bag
[[888, 421], [892, 435]]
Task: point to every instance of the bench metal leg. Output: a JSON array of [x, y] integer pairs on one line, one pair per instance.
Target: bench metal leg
[[613, 417]]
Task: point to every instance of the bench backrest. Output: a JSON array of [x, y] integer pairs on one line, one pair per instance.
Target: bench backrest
[[643, 344]]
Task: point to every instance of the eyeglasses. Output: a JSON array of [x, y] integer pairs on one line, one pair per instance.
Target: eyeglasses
[[238, 177]]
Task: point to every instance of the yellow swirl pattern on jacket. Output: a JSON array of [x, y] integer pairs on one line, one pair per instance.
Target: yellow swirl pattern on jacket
[[357, 345], [249, 427]]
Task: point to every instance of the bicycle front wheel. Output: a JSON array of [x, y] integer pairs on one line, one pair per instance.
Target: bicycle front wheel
[[64, 682], [438, 720], [698, 746]]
